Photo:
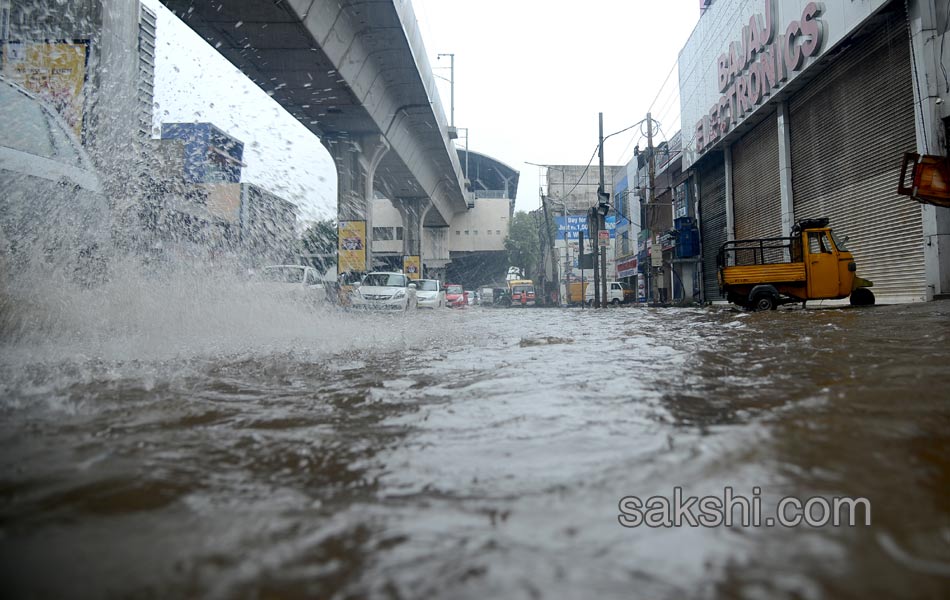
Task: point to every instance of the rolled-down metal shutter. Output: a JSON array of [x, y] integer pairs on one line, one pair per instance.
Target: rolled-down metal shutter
[[712, 221], [849, 128], [756, 193]]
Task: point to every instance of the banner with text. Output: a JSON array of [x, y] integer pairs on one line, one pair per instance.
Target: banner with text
[[569, 226], [54, 71], [352, 246]]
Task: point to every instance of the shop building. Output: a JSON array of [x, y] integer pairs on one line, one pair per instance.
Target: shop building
[[794, 109]]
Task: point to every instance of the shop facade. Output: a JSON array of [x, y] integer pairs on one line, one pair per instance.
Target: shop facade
[[795, 110]]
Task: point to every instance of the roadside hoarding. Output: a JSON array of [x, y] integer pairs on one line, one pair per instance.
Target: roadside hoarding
[[627, 266], [569, 226], [54, 71], [603, 239], [352, 246], [412, 266]]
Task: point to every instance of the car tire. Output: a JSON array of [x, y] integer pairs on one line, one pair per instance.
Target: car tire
[[764, 301], [615, 302]]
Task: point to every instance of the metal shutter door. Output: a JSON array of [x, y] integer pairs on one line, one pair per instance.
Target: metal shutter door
[[756, 189], [849, 128], [712, 215]]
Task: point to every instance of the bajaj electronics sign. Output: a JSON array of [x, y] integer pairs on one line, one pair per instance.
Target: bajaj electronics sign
[[755, 65], [743, 52]]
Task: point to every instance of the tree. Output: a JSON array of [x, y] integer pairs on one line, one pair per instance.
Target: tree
[[319, 243], [523, 243]]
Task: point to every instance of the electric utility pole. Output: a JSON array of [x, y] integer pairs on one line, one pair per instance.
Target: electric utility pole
[[602, 208], [651, 199]]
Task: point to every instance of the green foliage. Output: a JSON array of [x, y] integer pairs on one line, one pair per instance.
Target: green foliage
[[523, 243], [319, 241]]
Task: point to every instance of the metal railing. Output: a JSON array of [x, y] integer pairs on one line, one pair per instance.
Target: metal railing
[[763, 251]]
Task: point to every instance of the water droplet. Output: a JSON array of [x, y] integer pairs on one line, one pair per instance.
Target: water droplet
[[238, 24]]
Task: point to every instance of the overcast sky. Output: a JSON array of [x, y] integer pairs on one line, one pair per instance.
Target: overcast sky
[[530, 78]]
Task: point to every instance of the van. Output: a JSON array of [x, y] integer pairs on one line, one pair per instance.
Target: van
[[617, 293]]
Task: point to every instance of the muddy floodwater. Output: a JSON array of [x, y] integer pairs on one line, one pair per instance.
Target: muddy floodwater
[[474, 453]]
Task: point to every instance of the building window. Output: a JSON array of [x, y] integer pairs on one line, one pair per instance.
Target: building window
[[457, 232], [488, 231], [382, 234], [466, 232], [498, 232], [474, 232], [399, 233]]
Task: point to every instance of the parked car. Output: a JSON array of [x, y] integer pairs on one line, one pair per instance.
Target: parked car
[[455, 295], [429, 293], [385, 291], [53, 208], [303, 282], [471, 298]]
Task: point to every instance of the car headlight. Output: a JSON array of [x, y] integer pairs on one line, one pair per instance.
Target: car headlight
[[399, 294]]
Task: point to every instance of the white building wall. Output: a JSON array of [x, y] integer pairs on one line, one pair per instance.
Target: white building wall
[[386, 215], [482, 228]]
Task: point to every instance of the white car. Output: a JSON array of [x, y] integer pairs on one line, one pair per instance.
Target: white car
[[430, 293], [298, 280], [385, 291]]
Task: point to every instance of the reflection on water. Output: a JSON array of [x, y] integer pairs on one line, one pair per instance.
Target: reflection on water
[[240, 447]]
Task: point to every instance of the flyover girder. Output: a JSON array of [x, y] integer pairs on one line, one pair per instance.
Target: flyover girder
[[345, 69]]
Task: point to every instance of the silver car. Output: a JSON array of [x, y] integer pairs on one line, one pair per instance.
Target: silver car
[[53, 211]]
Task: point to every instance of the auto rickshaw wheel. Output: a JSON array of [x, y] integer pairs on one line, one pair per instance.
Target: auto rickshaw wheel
[[764, 301], [862, 297]]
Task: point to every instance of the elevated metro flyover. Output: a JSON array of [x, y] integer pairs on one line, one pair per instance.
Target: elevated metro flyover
[[355, 73]]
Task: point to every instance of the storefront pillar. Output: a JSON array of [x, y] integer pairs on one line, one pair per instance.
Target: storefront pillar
[[785, 169]]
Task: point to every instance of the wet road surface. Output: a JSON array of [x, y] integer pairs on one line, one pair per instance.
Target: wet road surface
[[478, 453]]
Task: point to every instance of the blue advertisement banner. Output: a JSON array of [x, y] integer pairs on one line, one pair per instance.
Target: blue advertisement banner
[[569, 226]]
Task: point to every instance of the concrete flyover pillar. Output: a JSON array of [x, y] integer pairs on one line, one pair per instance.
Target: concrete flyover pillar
[[356, 162], [413, 212]]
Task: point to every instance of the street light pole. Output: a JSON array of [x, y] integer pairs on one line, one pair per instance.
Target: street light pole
[[451, 87]]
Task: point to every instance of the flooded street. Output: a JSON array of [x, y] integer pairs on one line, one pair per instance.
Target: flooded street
[[477, 453]]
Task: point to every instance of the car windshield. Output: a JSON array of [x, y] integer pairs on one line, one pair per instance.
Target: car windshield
[[385, 279], [283, 275], [453, 289], [25, 126], [428, 285], [524, 289]]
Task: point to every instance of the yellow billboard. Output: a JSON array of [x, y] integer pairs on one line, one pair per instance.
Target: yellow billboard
[[54, 71], [351, 246], [412, 266]]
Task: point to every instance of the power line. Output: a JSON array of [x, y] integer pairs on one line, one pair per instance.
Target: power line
[[663, 84], [594, 153]]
